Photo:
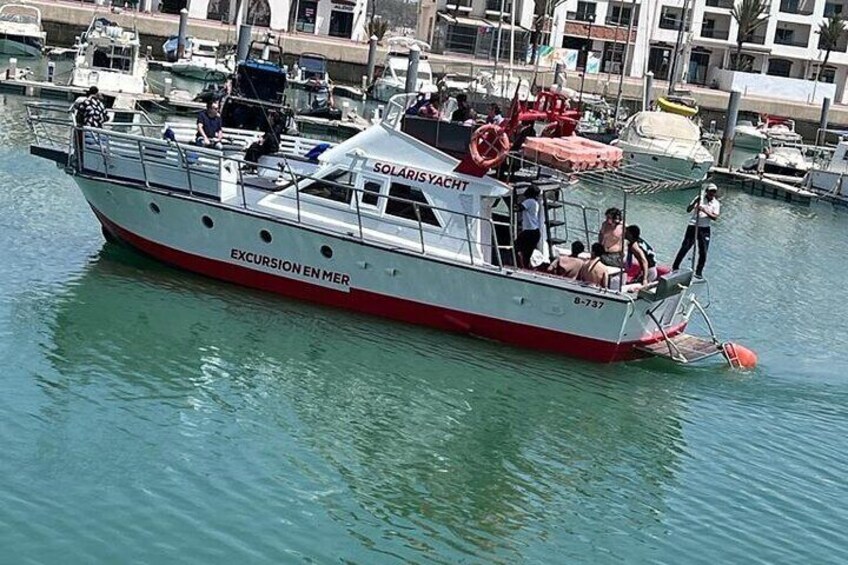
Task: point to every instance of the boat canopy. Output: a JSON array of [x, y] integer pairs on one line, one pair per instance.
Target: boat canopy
[[20, 14], [662, 125]]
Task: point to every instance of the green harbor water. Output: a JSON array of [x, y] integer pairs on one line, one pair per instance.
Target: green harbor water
[[152, 416]]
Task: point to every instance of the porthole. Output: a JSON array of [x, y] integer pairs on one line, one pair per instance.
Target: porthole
[[154, 208], [265, 235], [326, 251], [207, 221]]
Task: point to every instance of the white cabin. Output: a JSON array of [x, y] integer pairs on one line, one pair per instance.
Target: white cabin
[[108, 58]]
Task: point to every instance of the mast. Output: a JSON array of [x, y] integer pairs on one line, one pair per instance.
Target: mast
[[672, 79]]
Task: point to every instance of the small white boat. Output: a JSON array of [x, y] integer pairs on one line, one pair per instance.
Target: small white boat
[[108, 58], [20, 30], [203, 62], [393, 79], [832, 178], [781, 131], [781, 161], [748, 136], [666, 141]]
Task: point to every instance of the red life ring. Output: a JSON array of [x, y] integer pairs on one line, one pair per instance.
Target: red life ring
[[489, 146]]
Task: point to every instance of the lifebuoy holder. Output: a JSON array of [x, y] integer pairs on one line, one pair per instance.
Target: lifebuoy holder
[[489, 146]]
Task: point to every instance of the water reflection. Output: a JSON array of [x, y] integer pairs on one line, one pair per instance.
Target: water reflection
[[445, 443]]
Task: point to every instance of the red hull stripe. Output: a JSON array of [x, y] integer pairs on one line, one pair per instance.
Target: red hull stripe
[[384, 306]]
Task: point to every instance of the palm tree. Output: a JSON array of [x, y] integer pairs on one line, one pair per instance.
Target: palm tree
[[831, 32], [749, 16]]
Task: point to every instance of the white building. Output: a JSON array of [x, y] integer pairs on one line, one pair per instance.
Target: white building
[[478, 27], [781, 59], [334, 18]]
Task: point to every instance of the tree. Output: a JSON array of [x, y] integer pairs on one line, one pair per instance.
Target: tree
[[377, 27], [749, 16], [831, 32]]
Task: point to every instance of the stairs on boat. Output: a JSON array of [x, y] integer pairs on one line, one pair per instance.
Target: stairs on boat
[[682, 348]]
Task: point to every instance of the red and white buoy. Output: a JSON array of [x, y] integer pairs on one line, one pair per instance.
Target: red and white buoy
[[738, 356]]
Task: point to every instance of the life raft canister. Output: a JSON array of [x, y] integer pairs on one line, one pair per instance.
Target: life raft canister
[[489, 146]]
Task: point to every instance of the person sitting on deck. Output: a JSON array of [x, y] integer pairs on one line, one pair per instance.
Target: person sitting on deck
[[530, 234], [464, 113], [494, 116], [432, 109], [594, 271], [641, 263], [270, 141], [209, 127], [611, 236], [569, 266]]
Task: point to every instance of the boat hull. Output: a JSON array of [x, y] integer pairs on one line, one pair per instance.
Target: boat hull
[[24, 46], [695, 171], [383, 282], [199, 72]]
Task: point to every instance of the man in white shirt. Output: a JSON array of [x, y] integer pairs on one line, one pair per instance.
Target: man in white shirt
[[530, 234], [708, 209]]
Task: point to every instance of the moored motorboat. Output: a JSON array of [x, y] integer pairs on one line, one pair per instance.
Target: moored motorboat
[[389, 226], [668, 142], [392, 80], [108, 58], [20, 30], [203, 61], [748, 136]]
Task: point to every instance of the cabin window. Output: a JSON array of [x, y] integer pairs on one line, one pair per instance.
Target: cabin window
[[328, 187], [401, 204], [371, 190], [113, 58]]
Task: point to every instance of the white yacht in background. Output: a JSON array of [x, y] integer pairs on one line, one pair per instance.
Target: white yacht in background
[[748, 136], [832, 178], [393, 79], [666, 141], [108, 58], [203, 62], [20, 30]]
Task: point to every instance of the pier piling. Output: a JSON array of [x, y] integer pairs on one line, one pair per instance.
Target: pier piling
[[647, 89], [372, 60], [412, 69], [51, 71], [166, 91], [181, 36], [730, 127], [243, 49], [823, 120], [12, 71]]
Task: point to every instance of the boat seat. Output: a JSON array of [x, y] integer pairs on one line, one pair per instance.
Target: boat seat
[[450, 137]]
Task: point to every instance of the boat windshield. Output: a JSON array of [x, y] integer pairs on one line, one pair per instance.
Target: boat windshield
[[114, 58], [662, 125], [19, 15]]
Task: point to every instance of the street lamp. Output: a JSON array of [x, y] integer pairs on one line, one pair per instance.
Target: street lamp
[[590, 18]]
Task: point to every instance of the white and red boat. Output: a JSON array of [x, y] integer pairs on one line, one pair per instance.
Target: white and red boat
[[387, 226]]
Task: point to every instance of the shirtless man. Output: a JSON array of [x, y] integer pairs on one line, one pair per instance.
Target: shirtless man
[[611, 236], [594, 272], [569, 266]]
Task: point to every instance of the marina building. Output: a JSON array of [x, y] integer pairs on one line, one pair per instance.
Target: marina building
[[782, 59], [344, 19], [485, 29]]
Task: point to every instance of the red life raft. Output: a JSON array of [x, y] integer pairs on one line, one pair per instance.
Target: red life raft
[[569, 154]]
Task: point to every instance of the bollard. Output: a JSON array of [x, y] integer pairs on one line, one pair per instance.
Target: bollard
[[181, 35], [51, 71], [364, 82], [823, 120], [730, 127], [558, 74], [647, 91], [166, 91], [372, 59], [149, 52], [243, 50], [12, 71], [345, 109], [412, 69]]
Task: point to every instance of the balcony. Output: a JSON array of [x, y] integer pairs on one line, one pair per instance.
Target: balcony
[[790, 41], [722, 34], [723, 4], [581, 16], [796, 7]]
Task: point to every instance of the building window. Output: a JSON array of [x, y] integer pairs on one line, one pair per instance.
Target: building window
[[341, 23], [306, 11], [831, 9], [461, 39], [779, 67], [585, 11], [336, 186], [619, 16], [404, 209], [495, 6], [670, 18], [613, 57], [828, 74]]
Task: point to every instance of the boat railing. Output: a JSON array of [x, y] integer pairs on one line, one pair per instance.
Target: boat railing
[[210, 174]]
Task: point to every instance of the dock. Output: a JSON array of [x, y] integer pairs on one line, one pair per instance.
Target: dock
[[19, 81], [765, 186]]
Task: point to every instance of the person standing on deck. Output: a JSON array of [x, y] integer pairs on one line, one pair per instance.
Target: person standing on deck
[[611, 236], [704, 211], [530, 234]]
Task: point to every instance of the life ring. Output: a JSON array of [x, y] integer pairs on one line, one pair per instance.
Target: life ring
[[489, 146]]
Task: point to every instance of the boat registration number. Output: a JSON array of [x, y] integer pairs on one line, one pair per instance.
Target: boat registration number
[[588, 302]]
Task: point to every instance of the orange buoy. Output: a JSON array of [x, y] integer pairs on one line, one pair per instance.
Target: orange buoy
[[738, 356]]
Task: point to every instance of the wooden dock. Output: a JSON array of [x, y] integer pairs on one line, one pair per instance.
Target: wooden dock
[[764, 186]]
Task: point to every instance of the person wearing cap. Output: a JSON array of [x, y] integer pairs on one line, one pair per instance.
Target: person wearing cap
[[704, 211]]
